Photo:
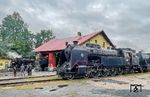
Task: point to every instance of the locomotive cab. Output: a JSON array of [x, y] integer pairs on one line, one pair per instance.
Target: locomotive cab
[[131, 59]]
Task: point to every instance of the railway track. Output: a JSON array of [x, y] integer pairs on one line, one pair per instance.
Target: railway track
[[17, 81], [18, 78]]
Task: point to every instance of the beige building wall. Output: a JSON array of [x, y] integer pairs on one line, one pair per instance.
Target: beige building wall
[[4, 64], [99, 39]]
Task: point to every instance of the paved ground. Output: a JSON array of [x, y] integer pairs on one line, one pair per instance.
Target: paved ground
[[103, 87]]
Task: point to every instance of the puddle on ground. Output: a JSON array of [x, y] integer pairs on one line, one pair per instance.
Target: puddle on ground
[[142, 78], [52, 90], [61, 86], [38, 88], [110, 81]]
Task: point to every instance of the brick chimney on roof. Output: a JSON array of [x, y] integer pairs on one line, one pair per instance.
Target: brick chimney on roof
[[79, 34]]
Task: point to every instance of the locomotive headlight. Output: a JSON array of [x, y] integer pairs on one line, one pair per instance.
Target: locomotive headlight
[[127, 60], [69, 68], [82, 55]]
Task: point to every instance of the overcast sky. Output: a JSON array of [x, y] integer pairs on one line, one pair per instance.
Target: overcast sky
[[126, 22]]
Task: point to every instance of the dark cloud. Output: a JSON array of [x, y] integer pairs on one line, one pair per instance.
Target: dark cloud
[[126, 22]]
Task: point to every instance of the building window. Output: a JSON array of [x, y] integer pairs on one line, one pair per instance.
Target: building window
[[103, 44], [108, 47], [88, 41], [95, 41]]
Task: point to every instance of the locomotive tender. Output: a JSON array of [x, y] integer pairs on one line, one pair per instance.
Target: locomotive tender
[[144, 61], [93, 61]]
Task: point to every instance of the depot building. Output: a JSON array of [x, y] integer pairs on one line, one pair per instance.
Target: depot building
[[52, 48]]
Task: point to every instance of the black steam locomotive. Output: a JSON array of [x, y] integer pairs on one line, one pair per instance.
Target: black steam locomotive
[[93, 61]]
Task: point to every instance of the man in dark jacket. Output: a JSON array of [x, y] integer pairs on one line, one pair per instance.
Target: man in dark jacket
[[29, 69], [15, 70]]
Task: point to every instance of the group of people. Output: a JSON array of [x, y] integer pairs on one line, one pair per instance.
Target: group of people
[[23, 70], [23, 66]]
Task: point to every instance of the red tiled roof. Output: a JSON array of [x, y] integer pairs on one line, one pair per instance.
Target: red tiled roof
[[59, 44]]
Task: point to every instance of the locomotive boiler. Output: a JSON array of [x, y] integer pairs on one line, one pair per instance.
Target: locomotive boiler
[[93, 61]]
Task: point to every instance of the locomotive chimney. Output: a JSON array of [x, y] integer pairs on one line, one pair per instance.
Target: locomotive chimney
[[66, 44], [75, 42]]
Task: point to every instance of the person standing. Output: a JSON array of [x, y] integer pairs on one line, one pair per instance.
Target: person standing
[[15, 70], [14, 67], [29, 69], [22, 70]]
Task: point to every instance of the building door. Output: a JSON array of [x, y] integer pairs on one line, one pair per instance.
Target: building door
[[52, 60]]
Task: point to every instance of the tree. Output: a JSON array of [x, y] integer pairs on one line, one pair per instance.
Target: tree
[[43, 36], [3, 49], [16, 33]]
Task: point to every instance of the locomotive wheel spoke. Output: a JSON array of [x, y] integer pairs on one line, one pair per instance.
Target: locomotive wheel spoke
[[120, 71], [125, 71], [131, 70], [117, 71], [88, 74], [70, 76], [112, 72], [105, 72], [94, 74], [99, 74], [86, 77]]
